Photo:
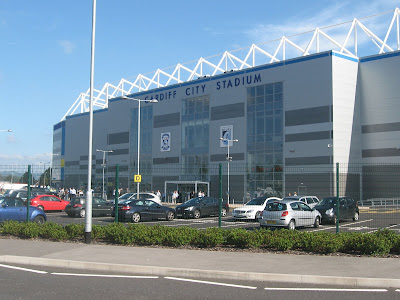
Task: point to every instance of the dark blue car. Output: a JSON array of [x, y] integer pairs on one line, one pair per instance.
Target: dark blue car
[[15, 209], [138, 210]]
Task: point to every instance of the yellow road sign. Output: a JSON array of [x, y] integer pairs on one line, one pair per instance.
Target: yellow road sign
[[138, 178]]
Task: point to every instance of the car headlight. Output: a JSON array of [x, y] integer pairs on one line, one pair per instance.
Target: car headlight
[[249, 211], [329, 211], [189, 208]]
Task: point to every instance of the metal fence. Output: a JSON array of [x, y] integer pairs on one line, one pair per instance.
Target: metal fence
[[375, 187]]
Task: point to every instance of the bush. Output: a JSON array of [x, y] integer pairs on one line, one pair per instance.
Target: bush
[[282, 239], [75, 230], [239, 237], [53, 231], [116, 233], [179, 236], [30, 230], [11, 228], [209, 237], [381, 242], [321, 242]]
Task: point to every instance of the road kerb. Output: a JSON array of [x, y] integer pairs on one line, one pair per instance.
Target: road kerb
[[197, 273]]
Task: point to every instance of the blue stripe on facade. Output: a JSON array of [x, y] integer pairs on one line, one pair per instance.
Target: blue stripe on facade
[[307, 58], [380, 56], [345, 56], [63, 140]]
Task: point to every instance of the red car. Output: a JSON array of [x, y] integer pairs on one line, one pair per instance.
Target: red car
[[48, 202]]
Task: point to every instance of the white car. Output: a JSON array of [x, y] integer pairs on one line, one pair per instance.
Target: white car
[[146, 196], [252, 209]]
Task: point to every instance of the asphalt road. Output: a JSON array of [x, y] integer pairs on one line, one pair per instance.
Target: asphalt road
[[25, 282], [370, 220]]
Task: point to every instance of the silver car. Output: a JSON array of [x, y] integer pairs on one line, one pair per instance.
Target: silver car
[[289, 214]]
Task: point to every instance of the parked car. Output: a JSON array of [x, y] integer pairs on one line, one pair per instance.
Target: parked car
[[348, 209], [202, 206], [48, 202], [252, 209], [311, 201], [138, 210], [125, 196], [77, 206], [146, 196], [12, 208], [290, 214]]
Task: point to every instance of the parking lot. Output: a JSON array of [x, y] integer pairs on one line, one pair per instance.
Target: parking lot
[[371, 220]]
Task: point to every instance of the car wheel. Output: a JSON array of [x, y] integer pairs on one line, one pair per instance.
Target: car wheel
[[41, 207], [170, 215], [257, 216], [39, 219], [82, 213], [291, 225], [136, 217], [196, 214], [356, 216], [223, 212], [316, 222]]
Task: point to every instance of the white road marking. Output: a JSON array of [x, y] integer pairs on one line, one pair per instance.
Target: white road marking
[[23, 269], [107, 276], [327, 290], [385, 227], [213, 283], [344, 225], [397, 291], [358, 222]]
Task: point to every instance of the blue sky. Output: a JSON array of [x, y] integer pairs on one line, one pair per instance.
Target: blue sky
[[45, 47]]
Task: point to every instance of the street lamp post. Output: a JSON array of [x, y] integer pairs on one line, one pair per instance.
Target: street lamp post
[[138, 140], [104, 165], [228, 158], [6, 130]]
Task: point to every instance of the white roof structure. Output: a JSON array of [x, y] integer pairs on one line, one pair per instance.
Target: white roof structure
[[348, 38]]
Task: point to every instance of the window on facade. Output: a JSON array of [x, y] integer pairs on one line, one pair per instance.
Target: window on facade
[[195, 136], [265, 138]]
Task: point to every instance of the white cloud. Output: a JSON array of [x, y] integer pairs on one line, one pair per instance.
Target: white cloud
[[67, 46], [25, 160], [335, 14]]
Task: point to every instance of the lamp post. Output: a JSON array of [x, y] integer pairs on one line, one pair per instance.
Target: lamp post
[[89, 193], [104, 165], [6, 130], [228, 158], [138, 140]]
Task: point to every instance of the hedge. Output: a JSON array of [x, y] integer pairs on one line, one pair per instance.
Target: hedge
[[381, 242]]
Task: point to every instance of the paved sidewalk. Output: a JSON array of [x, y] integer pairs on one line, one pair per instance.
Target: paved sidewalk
[[332, 270]]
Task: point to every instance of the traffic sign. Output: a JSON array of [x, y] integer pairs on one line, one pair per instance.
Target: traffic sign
[[138, 178]]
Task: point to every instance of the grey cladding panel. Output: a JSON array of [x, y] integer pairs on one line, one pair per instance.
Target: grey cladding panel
[[316, 160], [308, 136], [381, 127], [305, 116], [166, 160], [118, 138], [381, 152], [222, 157], [167, 120], [227, 111], [119, 152]]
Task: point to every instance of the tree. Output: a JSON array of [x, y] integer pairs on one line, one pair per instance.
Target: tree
[[24, 178]]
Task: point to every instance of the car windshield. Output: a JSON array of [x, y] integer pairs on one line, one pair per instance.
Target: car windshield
[[276, 206], [256, 201], [328, 201], [193, 201]]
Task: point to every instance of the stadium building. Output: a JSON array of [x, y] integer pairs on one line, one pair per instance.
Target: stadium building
[[289, 120]]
